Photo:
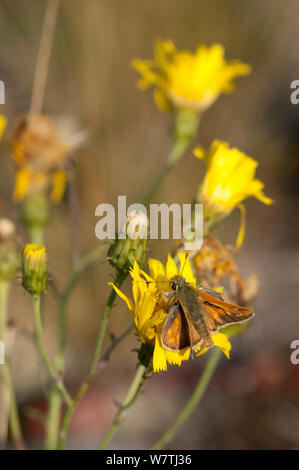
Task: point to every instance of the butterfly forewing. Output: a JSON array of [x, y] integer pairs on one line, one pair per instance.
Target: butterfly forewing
[[219, 314], [175, 333]]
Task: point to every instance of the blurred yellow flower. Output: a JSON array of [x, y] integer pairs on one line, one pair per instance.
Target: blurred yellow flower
[[187, 80], [150, 310], [230, 178]]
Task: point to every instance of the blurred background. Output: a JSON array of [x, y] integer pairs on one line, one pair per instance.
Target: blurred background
[[253, 399]]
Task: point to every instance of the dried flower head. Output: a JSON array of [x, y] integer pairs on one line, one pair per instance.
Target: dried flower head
[[41, 152], [215, 266]]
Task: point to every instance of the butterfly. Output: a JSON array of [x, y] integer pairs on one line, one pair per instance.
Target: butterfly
[[195, 314]]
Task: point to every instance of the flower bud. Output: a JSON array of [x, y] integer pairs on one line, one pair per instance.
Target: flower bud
[[35, 268], [9, 253], [131, 244]]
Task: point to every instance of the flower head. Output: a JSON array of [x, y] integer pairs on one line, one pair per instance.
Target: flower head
[[131, 244], [41, 153], [230, 178], [214, 265], [150, 310], [187, 80], [35, 268]]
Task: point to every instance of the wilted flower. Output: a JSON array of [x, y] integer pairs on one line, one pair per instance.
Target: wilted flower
[[150, 310], [186, 80], [230, 178], [41, 152], [35, 268], [215, 266]]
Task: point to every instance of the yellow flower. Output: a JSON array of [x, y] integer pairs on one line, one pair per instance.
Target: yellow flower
[[230, 178], [187, 80], [35, 268], [150, 311]]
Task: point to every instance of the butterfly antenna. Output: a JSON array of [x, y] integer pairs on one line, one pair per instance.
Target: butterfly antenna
[[183, 267]]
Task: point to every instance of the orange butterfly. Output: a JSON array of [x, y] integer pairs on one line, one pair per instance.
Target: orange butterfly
[[195, 314]]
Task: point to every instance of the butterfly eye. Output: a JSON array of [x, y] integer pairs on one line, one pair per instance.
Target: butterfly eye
[[174, 286]]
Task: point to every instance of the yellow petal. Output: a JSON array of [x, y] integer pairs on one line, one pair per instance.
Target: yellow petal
[[171, 267], [176, 357], [157, 270], [2, 124], [122, 296], [161, 100], [22, 182], [241, 233], [200, 153], [59, 184], [222, 342], [159, 356]]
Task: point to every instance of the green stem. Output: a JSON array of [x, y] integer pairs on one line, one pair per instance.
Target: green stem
[[130, 398], [14, 422], [40, 341], [4, 286], [193, 401], [176, 153], [53, 419], [95, 359], [36, 234], [55, 401]]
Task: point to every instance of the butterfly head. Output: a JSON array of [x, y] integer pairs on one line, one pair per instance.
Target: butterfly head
[[177, 282]]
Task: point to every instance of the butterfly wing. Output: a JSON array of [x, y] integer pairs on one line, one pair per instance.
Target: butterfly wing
[[219, 314], [175, 333]]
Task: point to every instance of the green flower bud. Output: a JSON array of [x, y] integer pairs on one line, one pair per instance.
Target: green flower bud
[[9, 253], [123, 251], [35, 268]]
